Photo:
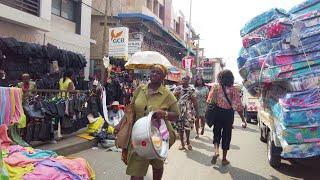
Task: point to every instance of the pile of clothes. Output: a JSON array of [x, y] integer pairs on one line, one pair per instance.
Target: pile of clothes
[[28, 163], [280, 62]]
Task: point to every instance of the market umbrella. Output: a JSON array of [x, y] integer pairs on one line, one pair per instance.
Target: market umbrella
[[145, 59]]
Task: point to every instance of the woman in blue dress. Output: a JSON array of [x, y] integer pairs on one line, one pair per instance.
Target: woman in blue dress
[[201, 93]]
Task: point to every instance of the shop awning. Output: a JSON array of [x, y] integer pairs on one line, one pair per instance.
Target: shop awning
[[152, 19]]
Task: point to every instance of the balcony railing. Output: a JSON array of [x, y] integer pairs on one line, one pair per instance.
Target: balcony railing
[[28, 6]]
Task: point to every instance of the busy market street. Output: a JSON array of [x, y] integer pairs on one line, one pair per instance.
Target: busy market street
[[159, 89], [247, 155]]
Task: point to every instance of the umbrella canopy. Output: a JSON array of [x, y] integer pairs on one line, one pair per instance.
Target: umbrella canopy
[[145, 59]]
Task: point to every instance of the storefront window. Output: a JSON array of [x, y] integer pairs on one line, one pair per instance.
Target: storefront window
[[64, 8]]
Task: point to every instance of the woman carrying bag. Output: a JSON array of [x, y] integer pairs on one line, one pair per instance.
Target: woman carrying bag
[[226, 98], [157, 98]]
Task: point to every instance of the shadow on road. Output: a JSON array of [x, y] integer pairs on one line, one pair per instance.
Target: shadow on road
[[203, 145], [238, 173], [199, 157], [246, 129], [299, 170]]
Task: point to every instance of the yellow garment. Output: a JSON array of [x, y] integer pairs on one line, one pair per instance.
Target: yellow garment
[[110, 130], [63, 86], [13, 103], [23, 118], [95, 126], [16, 173], [86, 136], [162, 99]]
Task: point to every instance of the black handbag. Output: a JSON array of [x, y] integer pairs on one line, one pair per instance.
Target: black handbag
[[210, 114], [213, 108]]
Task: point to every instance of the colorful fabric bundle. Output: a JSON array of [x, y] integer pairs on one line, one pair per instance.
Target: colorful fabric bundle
[[271, 30], [305, 7], [298, 135], [11, 110], [300, 150], [262, 19], [28, 163]]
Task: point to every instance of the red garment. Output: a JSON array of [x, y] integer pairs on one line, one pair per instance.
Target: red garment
[[4, 139]]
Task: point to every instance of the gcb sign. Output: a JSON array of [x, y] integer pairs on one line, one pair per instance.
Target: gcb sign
[[118, 42]]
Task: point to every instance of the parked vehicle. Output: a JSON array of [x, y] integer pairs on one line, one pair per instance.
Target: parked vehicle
[[268, 135], [250, 105]]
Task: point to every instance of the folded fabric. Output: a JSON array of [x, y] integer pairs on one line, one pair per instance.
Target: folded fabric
[[16, 172], [299, 134], [270, 30], [5, 141], [300, 150], [50, 170], [77, 165], [262, 19], [18, 159], [40, 154], [305, 7]]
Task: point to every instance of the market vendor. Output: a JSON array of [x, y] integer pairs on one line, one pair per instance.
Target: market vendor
[[115, 114], [26, 85]]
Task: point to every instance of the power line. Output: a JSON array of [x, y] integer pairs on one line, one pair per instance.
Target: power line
[[93, 7]]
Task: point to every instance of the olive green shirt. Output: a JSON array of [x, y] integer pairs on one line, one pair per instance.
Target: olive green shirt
[[162, 99]]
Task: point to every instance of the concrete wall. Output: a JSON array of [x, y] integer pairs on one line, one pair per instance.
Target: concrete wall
[[167, 13], [28, 20]]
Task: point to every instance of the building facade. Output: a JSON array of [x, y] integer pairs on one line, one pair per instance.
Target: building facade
[[209, 69], [63, 23], [153, 22]]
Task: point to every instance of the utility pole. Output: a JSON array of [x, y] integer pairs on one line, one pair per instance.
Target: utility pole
[[189, 38], [104, 42]]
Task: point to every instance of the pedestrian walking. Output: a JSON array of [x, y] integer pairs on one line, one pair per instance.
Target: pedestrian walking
[[189, 111], [157, 98], [227, 98], [201, 94]]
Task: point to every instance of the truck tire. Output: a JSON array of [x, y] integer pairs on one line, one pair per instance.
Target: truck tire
[[246, 115], [273, 153], [262, 129]]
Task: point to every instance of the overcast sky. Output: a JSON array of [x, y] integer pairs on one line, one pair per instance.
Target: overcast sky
[[219, 22]]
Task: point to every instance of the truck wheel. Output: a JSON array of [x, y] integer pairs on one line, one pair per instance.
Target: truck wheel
[[248, 118], [262, 132], [273, 153]]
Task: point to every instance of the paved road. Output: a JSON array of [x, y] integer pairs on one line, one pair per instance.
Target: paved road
[[247, 156]]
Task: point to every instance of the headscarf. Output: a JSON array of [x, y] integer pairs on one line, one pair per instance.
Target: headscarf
[[160, 67]]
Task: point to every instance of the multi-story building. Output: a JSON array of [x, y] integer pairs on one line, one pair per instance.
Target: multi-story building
[[154, 22], [63, 23], [210, 68]]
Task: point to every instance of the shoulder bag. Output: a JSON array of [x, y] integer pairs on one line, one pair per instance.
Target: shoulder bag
[[211, 109]]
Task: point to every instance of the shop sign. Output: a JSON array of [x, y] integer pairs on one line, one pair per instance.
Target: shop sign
[[187, 62], [118, 42], [134, 46]]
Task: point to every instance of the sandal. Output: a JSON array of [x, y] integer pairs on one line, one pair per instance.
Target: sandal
[[214, 159], [202, 131], [189, 147], [182, 148], [197, 136], [225, 162]]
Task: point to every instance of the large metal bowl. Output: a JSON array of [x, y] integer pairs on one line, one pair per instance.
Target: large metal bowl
[[142, 134]]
